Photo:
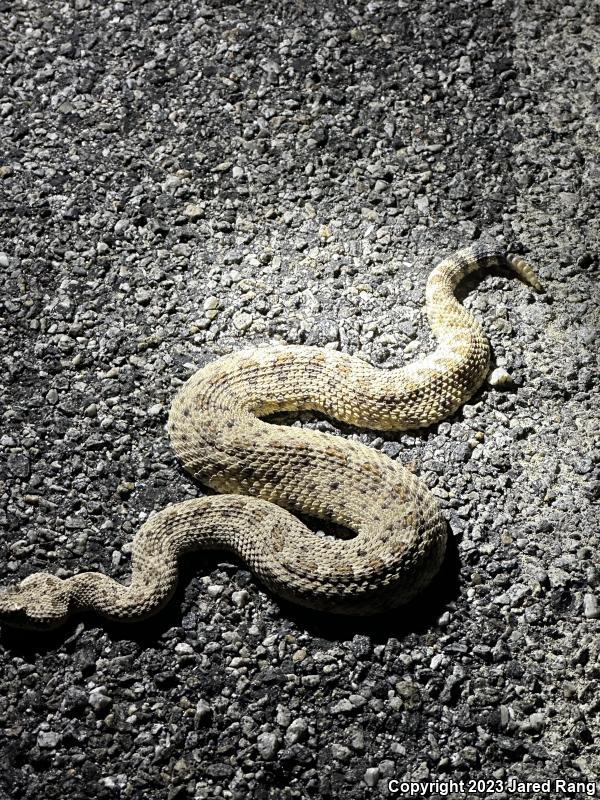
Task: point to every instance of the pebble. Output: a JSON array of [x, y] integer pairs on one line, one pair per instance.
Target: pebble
[[340, 752], [349, 704], [268, 744], [194, 211], [19, 465], [297, 731], [242, 321], [48, 739], [500, 377], [422, 204], [241, 598], [223, 166], [591, 609], [343, 706], [99, 701], [371, 776], [464, 66], [203, 711]]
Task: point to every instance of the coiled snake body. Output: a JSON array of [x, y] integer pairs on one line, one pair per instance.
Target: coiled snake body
[[267, 471]]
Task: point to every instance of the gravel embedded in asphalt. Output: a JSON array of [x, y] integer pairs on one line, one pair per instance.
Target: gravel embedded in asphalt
[[181, 180]]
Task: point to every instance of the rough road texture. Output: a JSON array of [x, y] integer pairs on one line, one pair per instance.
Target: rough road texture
[[180, 182]]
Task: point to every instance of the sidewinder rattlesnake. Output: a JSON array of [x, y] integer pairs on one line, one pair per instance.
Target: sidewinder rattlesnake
[[267, 471]]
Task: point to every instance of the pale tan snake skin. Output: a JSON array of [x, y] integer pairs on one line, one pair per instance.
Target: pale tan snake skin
[[264, 469]]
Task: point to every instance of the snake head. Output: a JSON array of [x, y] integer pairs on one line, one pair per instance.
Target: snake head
[[40, 601]]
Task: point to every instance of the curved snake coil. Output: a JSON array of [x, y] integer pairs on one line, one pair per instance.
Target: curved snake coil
[[266, 471]]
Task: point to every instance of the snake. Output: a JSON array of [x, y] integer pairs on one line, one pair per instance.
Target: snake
[[268, 476]]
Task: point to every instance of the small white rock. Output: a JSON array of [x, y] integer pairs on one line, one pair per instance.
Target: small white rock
[[422, 204], [268, 744], [98, 700], [242, 321], [283, 717], [171, 183], [590, 607], [372, 776], [241, 598], [48, 739], [296, 731], [223, 166], [500, 377], [203, 710], [193, 211], [464, 66]]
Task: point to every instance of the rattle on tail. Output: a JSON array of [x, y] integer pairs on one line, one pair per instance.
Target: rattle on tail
[[265, 471]]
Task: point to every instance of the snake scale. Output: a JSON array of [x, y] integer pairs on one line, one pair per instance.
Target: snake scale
[[265, 471]]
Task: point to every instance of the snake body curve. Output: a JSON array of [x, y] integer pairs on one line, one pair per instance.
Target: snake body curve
[[266, 471]]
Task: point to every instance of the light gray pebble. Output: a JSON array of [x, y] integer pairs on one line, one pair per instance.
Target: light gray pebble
[[242, 321], [534, 723], [296, 731], [591, 609], [203, 710], [464, 65], [343, 706], [349, 704], [19, 465], [283, 717], [48, 739], [371, 776], [340, 752], [422, 204], [241, 598], [98, 700], [194, 211], [268, 744], [500, 377]]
